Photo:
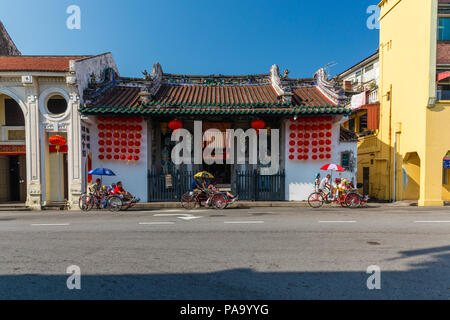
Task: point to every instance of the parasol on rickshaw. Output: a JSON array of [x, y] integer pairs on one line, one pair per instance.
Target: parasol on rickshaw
[[203, 175]]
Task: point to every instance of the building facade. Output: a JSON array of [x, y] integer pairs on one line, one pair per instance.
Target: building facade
[[414, 110], [130, 122], [40, 98], [360, 83]]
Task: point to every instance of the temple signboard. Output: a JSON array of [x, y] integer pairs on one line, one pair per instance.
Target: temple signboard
[[10, 150]]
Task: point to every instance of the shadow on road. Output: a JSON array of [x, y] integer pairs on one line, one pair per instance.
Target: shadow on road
[[425, 280]]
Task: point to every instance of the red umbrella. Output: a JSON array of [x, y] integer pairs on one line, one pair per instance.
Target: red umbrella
[[332, 167]]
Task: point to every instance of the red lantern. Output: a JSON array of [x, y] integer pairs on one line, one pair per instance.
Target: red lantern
[[101, 157], [321, 149], [175, 125], [101, 134], [299, 157], [328, 126], [321, 142], [307, 135], [116, 135], [259, 124], [292, 135], [137, 151], [315, 135], [291, 157], [116, 127], [131, 136], [116, 142], [328, 156], [315, 128], [57, 141], [136, 158], [328, 142], [130, 143], [101, 142], [301, 128], [300, 143], [109, 157], [116, 150], [305, 157], [108, 127], [123, 150], [123, 143], [293, 127], [314, 150], [130, 150], [329, 134], [123, 157], [108, 134], [101, 150], [101, 126], [328, 149], [123, 127], [314, 143], [306, 143], [138, 136], [116, 157], [138, 128], [292, 143], [138, 120], [306, 150], [129, 158], [321, 126], [291, 150], [321, 134], [314, 157], [108, 150], [300, 135], [108, 142], [321, 156]]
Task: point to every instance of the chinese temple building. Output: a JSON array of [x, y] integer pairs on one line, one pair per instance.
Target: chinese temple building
[[131, 121]]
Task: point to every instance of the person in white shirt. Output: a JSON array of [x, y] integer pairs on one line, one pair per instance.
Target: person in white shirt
[[324, 185]]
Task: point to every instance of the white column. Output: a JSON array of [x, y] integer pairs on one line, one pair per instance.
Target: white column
[[33, 152], [74, 152]]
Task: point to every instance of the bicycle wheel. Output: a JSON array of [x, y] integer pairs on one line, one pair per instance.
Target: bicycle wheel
[[115, 204], [219, 201], [353, 200], [85, 202], [315, 200], [188, 201]]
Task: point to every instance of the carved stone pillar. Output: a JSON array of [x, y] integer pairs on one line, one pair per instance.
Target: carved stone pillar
[[75, 165], [33, 153]]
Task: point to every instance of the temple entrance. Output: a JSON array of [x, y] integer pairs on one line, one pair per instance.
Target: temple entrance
[[12, 151], [221, 172]]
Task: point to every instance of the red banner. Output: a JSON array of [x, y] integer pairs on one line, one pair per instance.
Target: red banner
[[52, 149], [12, 150]]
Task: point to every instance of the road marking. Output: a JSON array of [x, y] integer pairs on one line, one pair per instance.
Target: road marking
[[337, 221], [50, 224], [242, 222], [155, 223], [443, 221], [184, 216]]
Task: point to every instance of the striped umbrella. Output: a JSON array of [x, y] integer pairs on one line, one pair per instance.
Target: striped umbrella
[[332, 167]]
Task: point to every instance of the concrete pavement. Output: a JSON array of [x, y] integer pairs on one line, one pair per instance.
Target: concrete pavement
[[258, 253]]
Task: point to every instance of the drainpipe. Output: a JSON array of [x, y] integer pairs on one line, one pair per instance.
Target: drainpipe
[[395, 168], [390, 140]]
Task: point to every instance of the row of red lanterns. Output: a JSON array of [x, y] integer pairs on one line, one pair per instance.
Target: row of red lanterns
[[313, 157], [312, 119], [126, 144]]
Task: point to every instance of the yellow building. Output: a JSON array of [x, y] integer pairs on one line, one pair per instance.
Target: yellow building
[[414, 134]]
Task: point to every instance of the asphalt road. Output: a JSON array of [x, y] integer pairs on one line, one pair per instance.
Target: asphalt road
[[261, 253]]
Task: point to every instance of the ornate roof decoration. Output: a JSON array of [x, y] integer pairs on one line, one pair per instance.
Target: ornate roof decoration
[[163, 93]]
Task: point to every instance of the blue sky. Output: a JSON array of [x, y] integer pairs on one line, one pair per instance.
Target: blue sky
[[197, 36]]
